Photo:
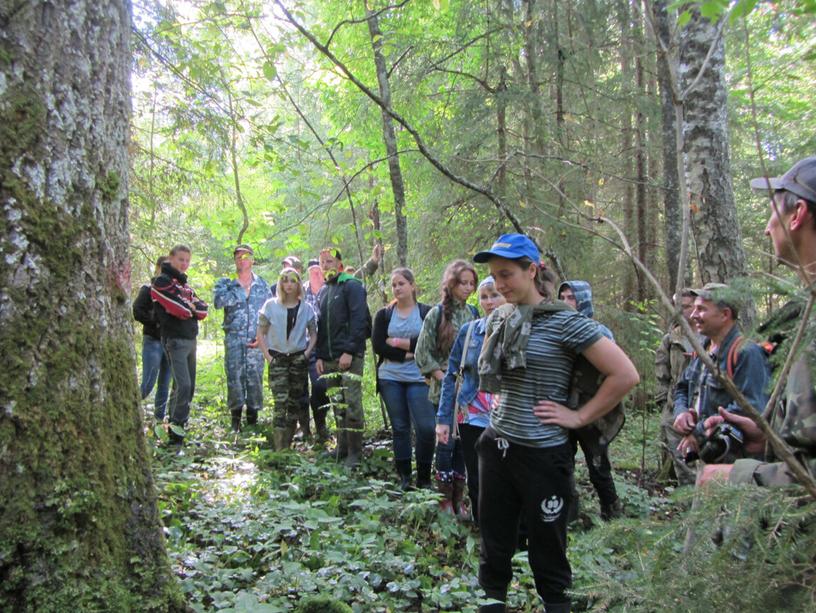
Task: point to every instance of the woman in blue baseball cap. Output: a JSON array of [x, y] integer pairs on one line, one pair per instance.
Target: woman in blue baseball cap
[[525, 459]]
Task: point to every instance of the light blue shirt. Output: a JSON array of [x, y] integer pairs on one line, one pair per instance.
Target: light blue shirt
[[402, 327]]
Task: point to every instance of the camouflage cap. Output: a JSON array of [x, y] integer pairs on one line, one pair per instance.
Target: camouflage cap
[[720, 293], [243, 247]]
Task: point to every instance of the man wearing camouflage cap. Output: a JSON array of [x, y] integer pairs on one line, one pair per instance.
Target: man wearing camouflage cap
[[792, 229], [242, 299], [699, 395]]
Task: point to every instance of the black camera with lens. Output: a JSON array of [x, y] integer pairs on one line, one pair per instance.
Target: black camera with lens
[[724, 446]]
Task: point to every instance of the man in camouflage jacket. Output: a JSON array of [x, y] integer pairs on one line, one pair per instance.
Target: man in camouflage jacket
[[242, 299], [792, 228]]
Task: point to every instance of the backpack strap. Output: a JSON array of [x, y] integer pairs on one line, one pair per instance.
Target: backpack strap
[[731, 358], [460, 375]]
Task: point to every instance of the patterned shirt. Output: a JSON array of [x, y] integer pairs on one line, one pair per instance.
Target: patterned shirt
[[555, 340]]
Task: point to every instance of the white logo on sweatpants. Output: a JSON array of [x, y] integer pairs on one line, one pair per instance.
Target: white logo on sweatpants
[[551, 508]]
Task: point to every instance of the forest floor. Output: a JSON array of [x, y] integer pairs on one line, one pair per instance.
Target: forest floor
[[249, 529]]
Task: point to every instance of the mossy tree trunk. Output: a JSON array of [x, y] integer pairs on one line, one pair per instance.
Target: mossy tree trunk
[[79, 528]]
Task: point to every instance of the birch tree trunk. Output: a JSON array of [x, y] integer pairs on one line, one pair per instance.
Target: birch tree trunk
[[390, 138], [716, 229], [79, 528]]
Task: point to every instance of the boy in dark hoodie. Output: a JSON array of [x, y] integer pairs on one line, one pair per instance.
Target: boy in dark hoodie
[[344, 325], [578, 294]]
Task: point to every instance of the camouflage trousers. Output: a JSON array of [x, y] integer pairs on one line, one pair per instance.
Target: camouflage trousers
[[345, 388], [244, 367], [669, 439], [288, 376]]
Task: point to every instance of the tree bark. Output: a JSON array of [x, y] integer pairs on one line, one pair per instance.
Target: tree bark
[[79, 528], [640, 155], [671, 194], [501, 131], [629, 226], [716, 229], [390, 138], [531, 56]]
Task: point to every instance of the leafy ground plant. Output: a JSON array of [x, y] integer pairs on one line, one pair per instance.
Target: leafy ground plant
[[250, 529]]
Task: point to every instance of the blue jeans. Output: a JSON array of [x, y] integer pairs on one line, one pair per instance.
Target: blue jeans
[[408, 405], [155, 371]]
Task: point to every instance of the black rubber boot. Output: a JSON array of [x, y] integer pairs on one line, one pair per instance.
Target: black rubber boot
[[321, 429], [557, 607], [612, 510], [404, 472], [252, 417], [498, 607], [355, 449], [424, 475], [175, 439], [236, 420], [342, 445]]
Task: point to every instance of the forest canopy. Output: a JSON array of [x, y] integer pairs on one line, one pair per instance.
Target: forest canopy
[[242, 128]]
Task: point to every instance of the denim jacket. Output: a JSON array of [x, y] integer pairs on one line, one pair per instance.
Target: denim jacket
[[470, 380], [751, 376]]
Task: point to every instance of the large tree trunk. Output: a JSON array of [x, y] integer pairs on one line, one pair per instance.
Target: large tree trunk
[[390, 138], [627, 77], [671, 194], [79, 529], [716, 229], [536, 120], [640, 155]]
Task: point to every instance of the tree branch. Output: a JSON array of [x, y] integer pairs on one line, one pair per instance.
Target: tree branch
[[423, 149], [349, 22], [777, 444]]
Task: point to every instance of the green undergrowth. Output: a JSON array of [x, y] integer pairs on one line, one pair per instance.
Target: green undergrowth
[[249, 529]]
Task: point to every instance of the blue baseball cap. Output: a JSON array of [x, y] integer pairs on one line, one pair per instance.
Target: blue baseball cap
[[512, 247]]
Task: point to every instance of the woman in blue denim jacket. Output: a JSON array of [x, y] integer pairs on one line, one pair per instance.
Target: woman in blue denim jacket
[[456, 455]]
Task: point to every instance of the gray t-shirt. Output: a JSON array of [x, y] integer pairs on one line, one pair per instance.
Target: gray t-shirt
[[555, 340], [402, 327]]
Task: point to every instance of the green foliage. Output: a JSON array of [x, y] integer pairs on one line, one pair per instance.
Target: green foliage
[[751, 553], [250, 529]]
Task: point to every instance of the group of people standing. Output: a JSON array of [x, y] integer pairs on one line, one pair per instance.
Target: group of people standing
[[493, 396], [263, 324], [486, 395]]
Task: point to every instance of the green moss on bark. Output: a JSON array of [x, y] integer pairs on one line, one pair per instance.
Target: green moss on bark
[[78, 523]]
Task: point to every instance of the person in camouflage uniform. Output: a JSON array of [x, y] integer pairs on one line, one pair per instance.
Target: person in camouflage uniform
[[671, 359], [792, 228], [242, 298], [287, 335]]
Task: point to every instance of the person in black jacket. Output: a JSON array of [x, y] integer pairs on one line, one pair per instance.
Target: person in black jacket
[[155, 367], [399, 382], [342, 330], [179, 311]]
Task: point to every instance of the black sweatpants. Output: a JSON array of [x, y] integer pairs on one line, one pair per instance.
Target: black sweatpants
[[469, 435], [600, 471], [516, 480]]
